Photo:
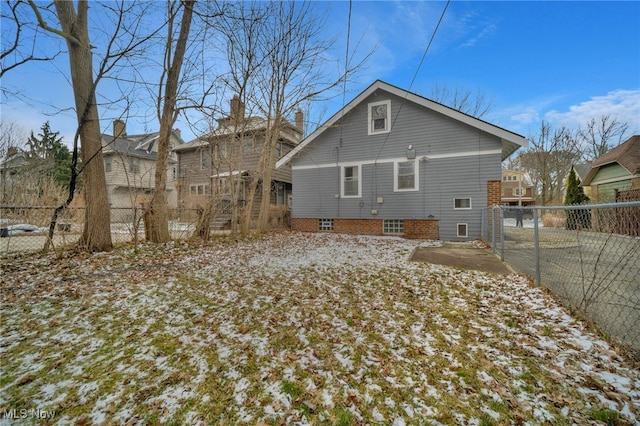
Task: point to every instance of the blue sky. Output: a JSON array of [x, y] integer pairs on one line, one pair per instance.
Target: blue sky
[[562, 62]]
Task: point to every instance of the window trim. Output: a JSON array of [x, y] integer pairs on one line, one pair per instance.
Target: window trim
[[134, 165], [416, 173], [466, 229], [462, 208], [195, 188], [370, 127], [342, 178], [388, 224]]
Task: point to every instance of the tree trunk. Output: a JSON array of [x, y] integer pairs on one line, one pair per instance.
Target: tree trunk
[[158, 231], [96, 235]]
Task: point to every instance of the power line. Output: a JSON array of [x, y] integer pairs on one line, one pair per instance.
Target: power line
[[433, 36]]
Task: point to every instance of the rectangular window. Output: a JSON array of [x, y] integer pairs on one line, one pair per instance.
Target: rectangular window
[[325, 224], [462, 230], [406, 178], [198, 189], [248, 144], [351, 181], [205, 159], [134, 165], [516, 191], [107, 164], [175, 172], [379, 117], [393, 226], [462, 203]]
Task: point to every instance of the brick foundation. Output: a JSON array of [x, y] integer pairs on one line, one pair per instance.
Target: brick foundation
[[428, 229], [413, 228]]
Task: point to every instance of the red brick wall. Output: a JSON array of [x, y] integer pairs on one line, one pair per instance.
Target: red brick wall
[[413, 228], [423, 229], [304, 225], [358, 226], [494, 193]]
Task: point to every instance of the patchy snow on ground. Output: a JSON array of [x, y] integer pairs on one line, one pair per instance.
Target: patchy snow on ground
[[296, 329]]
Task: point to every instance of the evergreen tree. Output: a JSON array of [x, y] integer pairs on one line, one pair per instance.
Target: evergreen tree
[[576, 219], [575, 193], [49, 156]]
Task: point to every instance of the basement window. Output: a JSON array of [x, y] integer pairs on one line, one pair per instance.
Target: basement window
[[462, 203], [393, 226], [325, 224], [462, 230]]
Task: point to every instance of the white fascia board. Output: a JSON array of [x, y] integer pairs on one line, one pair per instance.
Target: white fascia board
[[398, 159], [484, 126]]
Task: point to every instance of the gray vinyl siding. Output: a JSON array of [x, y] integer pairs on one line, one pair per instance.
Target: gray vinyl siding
[[463, 173]]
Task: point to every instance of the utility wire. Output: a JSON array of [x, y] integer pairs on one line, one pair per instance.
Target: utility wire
[[415, 75]]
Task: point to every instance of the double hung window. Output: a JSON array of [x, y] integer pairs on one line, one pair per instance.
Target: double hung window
[[351, 182]]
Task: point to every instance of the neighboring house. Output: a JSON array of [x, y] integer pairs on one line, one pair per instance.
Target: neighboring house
[[392, 162], [130, 165], [220, 165], [616, 172], [11, 169], [581, 172], [517, 188]]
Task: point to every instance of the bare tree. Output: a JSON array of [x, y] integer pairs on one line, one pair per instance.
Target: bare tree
[[157, 222], [548, 160], [599, 136], [74, 29], [122, 38], [19, 38], [462, 100], [276, 53]]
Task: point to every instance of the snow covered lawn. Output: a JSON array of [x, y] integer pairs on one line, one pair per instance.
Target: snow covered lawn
[[296, 329]]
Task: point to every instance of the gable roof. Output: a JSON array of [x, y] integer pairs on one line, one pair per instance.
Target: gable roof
[[627, 154], [510, 141], [140, 146], [250, 124]]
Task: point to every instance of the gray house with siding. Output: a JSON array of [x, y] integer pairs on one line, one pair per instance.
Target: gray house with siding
[[393, 162]]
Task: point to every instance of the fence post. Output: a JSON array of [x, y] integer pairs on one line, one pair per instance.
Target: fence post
[[536, 241], [493, 229], [501, 234]]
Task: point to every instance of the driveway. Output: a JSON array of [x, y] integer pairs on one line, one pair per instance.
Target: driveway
[[462, 256]]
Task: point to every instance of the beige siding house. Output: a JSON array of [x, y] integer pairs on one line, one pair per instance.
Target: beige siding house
[[130, 164]]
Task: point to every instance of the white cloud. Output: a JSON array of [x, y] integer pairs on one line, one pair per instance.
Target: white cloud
[[621, 104]]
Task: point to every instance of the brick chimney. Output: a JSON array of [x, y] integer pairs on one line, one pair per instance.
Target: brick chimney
[[119, 128], [300, 121], [237, 110]]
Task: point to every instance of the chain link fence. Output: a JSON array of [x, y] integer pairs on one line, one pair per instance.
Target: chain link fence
[[26, 229], [588, 255]]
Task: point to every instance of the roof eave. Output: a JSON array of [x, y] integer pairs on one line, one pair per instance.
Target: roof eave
[[510, 141]]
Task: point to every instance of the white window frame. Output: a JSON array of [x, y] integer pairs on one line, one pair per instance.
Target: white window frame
[[396, 170], [393, 226], [466, 229], [342, 179], [199, 189], [387, 121], [107, 164], [462, 208]]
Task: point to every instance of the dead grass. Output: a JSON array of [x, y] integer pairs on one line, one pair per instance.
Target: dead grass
[[296, 328]]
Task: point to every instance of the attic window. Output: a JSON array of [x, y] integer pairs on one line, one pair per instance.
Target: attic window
[[379, 117]]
